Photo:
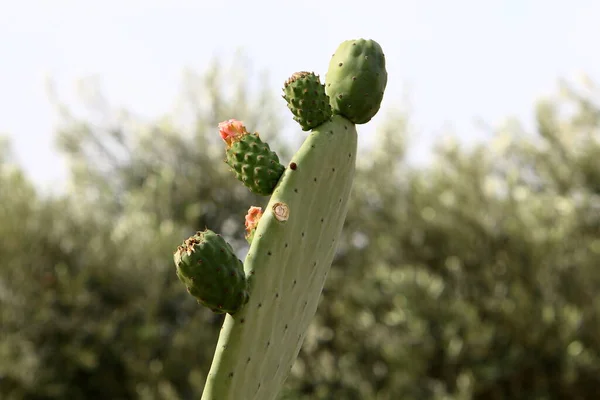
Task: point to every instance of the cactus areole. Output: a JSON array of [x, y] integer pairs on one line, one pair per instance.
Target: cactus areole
[[293, 239]]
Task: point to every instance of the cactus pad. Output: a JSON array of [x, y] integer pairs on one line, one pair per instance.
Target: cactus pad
[[212, 273], [307, 100], [286, 266], [356, 80], [254, 164]]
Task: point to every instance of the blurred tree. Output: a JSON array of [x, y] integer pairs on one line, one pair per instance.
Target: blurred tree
[[90, 304], [472, 278], [476, 278]]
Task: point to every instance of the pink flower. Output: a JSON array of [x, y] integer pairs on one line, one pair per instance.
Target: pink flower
[[254, 214], [231, 130]]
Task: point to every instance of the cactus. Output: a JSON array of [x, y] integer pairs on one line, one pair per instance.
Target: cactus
[[211, 272], [307, 99], [356, 80], [294, 238]]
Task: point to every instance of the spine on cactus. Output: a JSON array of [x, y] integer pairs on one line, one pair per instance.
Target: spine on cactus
[[293, 239]]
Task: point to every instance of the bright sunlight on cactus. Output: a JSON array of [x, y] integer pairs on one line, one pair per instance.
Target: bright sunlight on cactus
[[271, 302]]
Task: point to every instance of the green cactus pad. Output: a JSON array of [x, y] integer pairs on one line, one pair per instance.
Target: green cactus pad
[[356, 80], [307, 100], [287, 265], [211, 272], [255, 164]]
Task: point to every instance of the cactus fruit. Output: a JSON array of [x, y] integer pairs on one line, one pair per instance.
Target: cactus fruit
[[250, 158], [307, 100], [251, 222], [356, 80], [293, 239], [211, 272]]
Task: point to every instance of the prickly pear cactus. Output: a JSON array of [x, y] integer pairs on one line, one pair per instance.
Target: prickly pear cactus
[[293, 239]]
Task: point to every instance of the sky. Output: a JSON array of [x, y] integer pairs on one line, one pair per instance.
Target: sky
[[455, 61]]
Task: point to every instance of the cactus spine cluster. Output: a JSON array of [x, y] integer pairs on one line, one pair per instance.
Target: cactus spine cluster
[[293, 239]]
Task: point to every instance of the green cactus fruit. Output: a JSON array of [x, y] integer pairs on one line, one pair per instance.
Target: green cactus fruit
[[251, 222], [287, 265], [307, 100], [255, 164], [211, 272], [356, 80]]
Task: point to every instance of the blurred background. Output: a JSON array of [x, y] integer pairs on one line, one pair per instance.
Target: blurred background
[[469, 266]]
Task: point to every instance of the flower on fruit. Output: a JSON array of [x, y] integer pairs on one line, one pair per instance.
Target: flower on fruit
[[254, 214], [231, 130]]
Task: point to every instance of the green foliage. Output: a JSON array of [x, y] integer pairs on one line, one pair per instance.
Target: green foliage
[[90, 303], [88, 308], [473, 278]]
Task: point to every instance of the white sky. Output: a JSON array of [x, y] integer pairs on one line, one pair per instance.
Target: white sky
[[459, 59]]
